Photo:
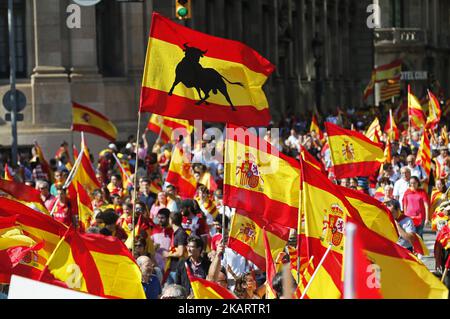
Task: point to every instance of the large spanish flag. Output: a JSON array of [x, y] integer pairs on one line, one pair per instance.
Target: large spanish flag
[[246, 237], [259, 179], [85, 174], [205, 289], [166, 127], [24, 194], [352, 153], [40, 228], [91, 121], [180, 173], [96, 264], [388, 71], [415, 112], [192, 75]]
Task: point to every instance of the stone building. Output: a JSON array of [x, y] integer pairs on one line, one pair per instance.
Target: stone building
[[320, 46]]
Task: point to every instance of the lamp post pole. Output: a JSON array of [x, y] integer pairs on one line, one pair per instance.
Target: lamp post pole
[[12, 80]]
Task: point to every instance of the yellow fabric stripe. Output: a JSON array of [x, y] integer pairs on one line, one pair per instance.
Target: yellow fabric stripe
[[413, 102], [388, 73], [279, 180], [120, 276], [202, 292], [323, 287], [239, 222], [182, 166], [63, 267], [163, 57], [94, 121], [405, 279], [362, 151], [15, 240]]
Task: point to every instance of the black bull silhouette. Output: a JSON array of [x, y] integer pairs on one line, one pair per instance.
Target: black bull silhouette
[[191, 73]]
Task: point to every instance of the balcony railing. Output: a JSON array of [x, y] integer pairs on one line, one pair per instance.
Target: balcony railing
[[400, 37]]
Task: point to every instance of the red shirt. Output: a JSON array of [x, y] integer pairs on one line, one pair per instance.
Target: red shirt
[[414, 205], [62, 213]]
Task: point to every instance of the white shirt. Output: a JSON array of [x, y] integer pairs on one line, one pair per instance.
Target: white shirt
[[418, 172], [400, 188], [239, 265]]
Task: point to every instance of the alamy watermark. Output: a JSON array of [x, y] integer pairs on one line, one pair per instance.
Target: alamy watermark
[[374, 19], [73, 20]]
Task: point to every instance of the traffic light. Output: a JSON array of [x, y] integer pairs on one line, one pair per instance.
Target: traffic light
[[183, 9]]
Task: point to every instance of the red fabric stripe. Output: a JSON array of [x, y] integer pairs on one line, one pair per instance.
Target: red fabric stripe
[[20, 191], [160, 102], [334, 130], [86, 262], [92, 130], [30, 217], [185, 189], [253, 201], [156, 129], [87, 109], [262, 145], [246, 251], [87, 166], [224, 293], [173, 125], [270, 226], [356, 169], [164, 29], [105, 245], [391, 65]]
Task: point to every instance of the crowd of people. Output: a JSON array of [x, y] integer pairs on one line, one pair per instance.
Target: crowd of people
[[172, 233]]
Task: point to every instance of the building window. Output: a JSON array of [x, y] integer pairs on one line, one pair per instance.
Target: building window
[[19, 17], [109, 38], [397, 13]]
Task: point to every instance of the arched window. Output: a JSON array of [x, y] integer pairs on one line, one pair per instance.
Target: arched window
[[110, 55], [19, 17]]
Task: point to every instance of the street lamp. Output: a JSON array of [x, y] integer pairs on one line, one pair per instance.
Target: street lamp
[[317, 53]]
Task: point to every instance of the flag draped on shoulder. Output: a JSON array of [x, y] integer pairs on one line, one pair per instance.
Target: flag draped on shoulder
[[166, 127], [180, 173], [96, 264], [352, 153], [193, 75], [88, 120], [259, 179], [415, 112]]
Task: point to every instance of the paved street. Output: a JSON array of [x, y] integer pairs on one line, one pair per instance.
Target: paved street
[[429, 238]]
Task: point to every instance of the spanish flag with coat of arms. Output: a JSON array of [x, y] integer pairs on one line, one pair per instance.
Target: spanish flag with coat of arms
[[192, 75], [352, 153]]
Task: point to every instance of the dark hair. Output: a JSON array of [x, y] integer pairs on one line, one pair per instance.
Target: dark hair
[[393, 203], [176, 218], [218, 219], [197, 240], [416, 179], [109, 216], [164, 211], [105, 231]]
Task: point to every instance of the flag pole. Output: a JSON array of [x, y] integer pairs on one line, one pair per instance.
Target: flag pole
[[136, 164], [121, 168], [316, 271], [447, 265], [349, 261]]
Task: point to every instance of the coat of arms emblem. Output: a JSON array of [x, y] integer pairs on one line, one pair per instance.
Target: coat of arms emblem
[[250, 175], [247, 233], [348, 151], [334, 225]]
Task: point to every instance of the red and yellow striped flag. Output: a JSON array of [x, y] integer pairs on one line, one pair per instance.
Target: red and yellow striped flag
[[24, 194], [8, 176], [85, 210], [415, 112], [424, 154], [390, 71], [38, 227], [390, 89], [85, 175], [305, 277], [167, 127], [315, 127], [259, 179], [44, 164], [444, 135], [391, 128], [434, 111], [246, 237], [189, 75], [180, 173], [205, 289], [91, 121], [368, 91], [96, 264], [352, 153], [374, 131], [270, 269]]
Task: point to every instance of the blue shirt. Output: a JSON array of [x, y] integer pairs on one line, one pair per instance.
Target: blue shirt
[[152, 288]]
